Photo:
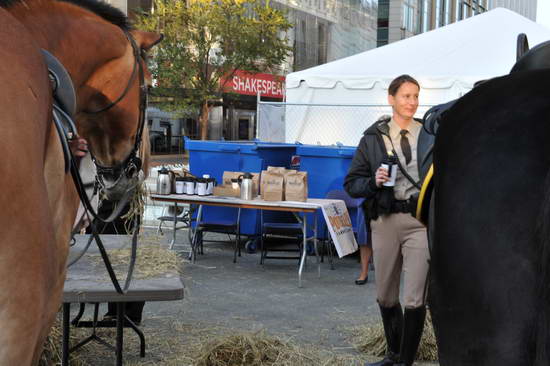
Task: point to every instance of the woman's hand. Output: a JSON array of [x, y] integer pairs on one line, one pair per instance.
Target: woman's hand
[[381, 176], [79, 147]]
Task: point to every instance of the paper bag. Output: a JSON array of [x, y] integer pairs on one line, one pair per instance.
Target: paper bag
[[276, 169], [272, 186], [227, 176], [296, 186], [226, 191]]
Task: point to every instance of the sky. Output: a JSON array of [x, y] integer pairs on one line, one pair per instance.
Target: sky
[[543, 12]]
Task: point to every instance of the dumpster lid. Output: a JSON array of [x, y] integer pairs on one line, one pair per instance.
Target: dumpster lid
[[328, 151]]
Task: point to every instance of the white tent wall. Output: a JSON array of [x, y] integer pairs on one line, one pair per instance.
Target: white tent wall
[[446, 61]]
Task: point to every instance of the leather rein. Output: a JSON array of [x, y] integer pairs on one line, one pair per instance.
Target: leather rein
[[64, 107]]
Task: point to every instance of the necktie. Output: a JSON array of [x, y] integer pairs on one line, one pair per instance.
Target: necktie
[[405, 146]]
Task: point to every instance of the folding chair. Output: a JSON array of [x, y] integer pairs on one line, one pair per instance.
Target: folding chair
[[175, 214], [282, 230], [230, 227]]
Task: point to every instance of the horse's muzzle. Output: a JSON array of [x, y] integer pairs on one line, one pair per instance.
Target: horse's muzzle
[[115, 190]]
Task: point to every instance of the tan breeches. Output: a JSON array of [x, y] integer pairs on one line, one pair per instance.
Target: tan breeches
[[400, 243]]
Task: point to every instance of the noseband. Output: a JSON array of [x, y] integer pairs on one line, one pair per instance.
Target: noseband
[[132, 164]]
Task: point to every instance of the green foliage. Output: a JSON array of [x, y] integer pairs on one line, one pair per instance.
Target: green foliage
[[207, 39]]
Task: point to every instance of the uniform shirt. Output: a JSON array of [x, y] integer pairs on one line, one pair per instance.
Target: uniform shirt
[[403, 189]]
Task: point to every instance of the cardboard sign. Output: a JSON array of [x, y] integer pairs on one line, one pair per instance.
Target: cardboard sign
[[339, 226]]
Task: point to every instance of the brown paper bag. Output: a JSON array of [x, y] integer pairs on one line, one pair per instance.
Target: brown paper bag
[[296, 186], [276, 169], [226, 191], [272, 186], [228, 175]]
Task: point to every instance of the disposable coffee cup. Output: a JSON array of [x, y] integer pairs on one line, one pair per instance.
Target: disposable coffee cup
[[392, 173], [190, 186], [201, 186], [180, 185]]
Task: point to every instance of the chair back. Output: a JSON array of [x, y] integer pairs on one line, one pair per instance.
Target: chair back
[[361, 230], [338, 194]]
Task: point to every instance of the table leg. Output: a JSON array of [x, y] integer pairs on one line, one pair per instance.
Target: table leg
[[66, 332], [304, 250], [173, 242], [315, 243], [193, 254], [119, 332]]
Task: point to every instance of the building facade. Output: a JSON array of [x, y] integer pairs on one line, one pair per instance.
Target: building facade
[[327, 30], [323, 31], [399, 19], [527, 8]]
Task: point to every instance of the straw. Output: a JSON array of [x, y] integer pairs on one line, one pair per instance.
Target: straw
[[370, 339]]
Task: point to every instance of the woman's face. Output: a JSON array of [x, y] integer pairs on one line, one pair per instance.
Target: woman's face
[[405, 101]]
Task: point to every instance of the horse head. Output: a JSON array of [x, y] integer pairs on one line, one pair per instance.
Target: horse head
[[105, 58], [112, 118]]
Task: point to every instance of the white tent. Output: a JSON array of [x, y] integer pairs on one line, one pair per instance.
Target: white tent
[[446, 61]]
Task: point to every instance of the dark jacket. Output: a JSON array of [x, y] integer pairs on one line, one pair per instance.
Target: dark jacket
[[371, 152]]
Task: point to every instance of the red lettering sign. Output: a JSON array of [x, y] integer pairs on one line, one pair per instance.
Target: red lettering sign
[[250, 84]]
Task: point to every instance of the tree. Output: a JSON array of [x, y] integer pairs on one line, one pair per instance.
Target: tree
[[206, 41]]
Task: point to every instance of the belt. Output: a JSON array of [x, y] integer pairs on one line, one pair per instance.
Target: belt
[[400, 206]]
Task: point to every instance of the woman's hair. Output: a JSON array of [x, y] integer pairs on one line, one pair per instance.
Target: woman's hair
[[400, 80]]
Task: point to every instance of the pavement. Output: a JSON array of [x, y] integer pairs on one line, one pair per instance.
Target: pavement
[[222, 297], [249, 297]]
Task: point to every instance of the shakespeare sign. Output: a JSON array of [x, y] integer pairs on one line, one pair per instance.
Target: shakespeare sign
[[251, 84]]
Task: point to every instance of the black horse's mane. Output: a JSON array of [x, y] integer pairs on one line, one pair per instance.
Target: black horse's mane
[[98, 7]]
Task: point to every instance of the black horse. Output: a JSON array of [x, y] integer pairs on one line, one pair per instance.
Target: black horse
[[489, 222]]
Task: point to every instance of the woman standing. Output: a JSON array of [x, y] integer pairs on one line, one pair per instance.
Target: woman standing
[[399, 240]]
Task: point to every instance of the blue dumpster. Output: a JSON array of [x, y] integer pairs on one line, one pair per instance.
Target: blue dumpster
[[215, 157], [326, 167]]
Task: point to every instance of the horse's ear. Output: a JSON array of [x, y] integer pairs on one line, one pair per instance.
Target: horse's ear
[[146, 40]]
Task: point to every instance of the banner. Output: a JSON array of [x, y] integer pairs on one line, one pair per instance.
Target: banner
[[250, 84], [339, 226]]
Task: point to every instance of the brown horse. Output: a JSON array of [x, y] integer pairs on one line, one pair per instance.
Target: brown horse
[[38, 198]]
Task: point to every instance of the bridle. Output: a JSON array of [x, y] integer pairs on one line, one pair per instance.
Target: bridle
[[129, 167], [132, 164]]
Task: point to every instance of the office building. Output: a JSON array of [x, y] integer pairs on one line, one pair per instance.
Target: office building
[[399, 19]]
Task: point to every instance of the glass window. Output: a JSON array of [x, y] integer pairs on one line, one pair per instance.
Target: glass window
[[465, 10], [408, 16], [437, 13], [382, 34], [322, 44], [383, 9], [383, 23], [425, 15]]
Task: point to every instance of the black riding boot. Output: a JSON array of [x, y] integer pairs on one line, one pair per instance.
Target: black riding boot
[[392, 318], [412, 332]]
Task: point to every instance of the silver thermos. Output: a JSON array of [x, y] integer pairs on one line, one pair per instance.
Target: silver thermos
[[245, 181], [164, 182]]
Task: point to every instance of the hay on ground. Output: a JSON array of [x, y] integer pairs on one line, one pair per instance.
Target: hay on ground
[[153, 259]]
